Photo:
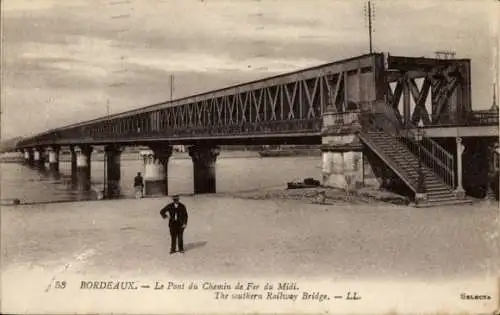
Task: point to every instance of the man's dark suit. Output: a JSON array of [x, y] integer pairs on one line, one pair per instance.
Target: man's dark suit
[[178, 218]]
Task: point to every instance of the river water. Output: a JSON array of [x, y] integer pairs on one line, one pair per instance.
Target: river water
[[234, 174]]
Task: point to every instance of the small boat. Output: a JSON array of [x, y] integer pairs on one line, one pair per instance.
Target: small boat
[[307, 183], [289, 152]]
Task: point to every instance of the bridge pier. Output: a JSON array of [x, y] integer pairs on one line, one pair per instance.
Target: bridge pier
[[83, 163], [74, 177], [113, 174], [341, 150], [475, 169], [38, 158], [342, 169], [54, 159], [28, 156], [204, 159], [156, 170]]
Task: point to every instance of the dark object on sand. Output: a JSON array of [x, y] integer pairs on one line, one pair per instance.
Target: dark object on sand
[[307, 183]]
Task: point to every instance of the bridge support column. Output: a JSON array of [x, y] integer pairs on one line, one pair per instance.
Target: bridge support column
[[74, 177], [493, 177], [83, 163], [38, 158], [113, 174], [333, 169], [54, 159], [342, 169], [28, 156], [342, 161], [204, 158], [156, 170], [459, 191]]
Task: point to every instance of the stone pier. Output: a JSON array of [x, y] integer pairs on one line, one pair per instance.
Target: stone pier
[[342, 164], [113, 173], [28, 156], [54, 159], [83, 164], [341, 150], [74, 177], [156, 169], [38, 158], [204, 175]]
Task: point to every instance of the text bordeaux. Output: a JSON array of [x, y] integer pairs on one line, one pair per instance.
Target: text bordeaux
[[109, 285]]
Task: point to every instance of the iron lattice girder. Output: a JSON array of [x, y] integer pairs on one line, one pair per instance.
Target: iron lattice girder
[[425, 65], [443, 78], [293, 97], [351, 64], [301, 100], [419, 97], [297, 96]]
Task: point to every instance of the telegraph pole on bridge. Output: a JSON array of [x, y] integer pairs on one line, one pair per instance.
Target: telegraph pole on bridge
[[370, 14]]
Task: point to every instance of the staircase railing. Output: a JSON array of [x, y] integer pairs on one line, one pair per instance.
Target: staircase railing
[[432, 155]]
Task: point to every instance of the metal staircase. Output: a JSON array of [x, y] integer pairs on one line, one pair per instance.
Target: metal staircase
[[400, 149]]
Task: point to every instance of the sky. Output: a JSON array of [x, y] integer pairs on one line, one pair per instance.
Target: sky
[[67, 61]]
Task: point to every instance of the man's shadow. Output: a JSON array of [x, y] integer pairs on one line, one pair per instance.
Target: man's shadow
[[194, 245]]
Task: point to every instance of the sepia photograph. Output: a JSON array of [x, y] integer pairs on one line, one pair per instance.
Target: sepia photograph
[[250, 156]]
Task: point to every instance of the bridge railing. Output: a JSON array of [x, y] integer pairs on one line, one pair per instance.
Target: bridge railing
[[481, 118], [471, 119], [341, 122], [265, 127]]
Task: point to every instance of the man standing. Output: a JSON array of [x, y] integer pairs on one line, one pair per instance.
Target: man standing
[[138, 185], [178, 218]]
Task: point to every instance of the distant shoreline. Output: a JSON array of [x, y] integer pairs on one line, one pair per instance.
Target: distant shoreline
[[134, 156]]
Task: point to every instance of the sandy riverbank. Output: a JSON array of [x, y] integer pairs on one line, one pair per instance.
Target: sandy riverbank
[[229, 237], [342, 239]]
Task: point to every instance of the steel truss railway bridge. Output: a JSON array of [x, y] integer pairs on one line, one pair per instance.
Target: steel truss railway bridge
[[406, 122]]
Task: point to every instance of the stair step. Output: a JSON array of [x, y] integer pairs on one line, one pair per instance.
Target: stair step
[[441, 198], [432, 203], [409, 160], [407, 165], [436, 190], [440, 195], [430, 178], [402, 154]]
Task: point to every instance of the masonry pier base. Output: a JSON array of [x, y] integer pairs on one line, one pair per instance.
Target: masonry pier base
[[28, 157], [113, 173], [83, 171], [38, 158], [54, 160], [204, 158], [156, 170], [342, 162]]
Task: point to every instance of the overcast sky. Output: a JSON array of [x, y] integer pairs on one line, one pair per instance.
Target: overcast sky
[[65, 60]]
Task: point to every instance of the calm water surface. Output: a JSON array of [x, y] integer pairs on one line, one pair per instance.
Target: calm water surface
[[233, 175]]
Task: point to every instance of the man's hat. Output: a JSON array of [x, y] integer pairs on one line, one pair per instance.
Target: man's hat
[[175, 197]]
